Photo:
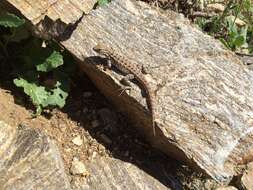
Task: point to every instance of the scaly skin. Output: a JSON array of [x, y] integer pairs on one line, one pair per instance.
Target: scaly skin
[[125, 66]]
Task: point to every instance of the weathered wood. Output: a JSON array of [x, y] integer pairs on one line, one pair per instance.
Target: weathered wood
[[206, 106]]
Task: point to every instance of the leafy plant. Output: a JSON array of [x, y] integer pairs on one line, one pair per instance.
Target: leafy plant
[[11, 22], [44, 83], [225, 28], [235, 38], [102, 2], [40, 71]]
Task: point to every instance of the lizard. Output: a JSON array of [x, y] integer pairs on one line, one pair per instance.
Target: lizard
[[131, 71]]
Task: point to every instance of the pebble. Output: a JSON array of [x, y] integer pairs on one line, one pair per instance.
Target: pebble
[[247, 177], [77, 140], [87, 94], [106, 116], [85, 140], [238, 21], [93, 156], [101, 148], [227, 188], [126, 154], [85, 110], [216, 7], [95, 123], [78, 168]]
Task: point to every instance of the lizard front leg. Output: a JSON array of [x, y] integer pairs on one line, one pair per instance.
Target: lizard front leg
[[145, 70], [126, 82], [108, 64]]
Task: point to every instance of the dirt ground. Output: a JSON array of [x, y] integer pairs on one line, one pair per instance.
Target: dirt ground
[[104, 131]]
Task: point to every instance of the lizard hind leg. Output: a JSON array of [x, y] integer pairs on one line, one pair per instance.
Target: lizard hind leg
[[122, 90], [145, 70]]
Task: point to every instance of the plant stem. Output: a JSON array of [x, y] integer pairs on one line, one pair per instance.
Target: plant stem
[[3, 47]]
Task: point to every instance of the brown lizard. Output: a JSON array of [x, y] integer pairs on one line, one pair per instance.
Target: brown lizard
[[132, 71]]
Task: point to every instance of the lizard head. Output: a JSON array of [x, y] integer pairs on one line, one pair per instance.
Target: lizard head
[[101, 49]]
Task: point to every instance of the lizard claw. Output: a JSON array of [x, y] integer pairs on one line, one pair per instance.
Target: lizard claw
[[124, 89]]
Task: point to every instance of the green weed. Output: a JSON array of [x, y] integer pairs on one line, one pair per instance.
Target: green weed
[[42, 69], [224, 27]]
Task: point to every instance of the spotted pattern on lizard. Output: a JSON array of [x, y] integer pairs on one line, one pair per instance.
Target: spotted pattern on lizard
[[131, 70]]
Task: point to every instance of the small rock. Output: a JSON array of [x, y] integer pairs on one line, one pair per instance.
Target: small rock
[[68, 149], [247, 177], [44, 44], [238, 21], [94, 123], [62, 128], [101, 148], [90, 152], [105, 139], [216, 7], [78, 168], [87, 94], [227, 188], [210, 184], [85, 110], [85, 140], [93, 156], [77, 140]]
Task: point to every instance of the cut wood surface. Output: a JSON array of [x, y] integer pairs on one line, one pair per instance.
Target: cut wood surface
[[205, 108]]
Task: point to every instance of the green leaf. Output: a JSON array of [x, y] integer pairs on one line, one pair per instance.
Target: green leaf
[[251, 49], [248, 5], [38, 94], [52, 62], [224, 43], [102, 2], [57, 97], [42, 98], [243, 32], [232, 28], [239, 41], [11, 20]]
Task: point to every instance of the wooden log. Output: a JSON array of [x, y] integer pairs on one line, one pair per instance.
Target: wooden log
[[205, 107]]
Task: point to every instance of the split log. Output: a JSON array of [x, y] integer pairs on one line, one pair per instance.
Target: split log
[[205, 107]]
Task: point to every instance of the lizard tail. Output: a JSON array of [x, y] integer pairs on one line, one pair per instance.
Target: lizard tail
[[154, 125], [153, 117]]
